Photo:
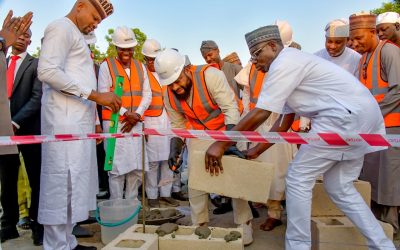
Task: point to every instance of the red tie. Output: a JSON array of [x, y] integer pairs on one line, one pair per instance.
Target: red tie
[[10, 74]]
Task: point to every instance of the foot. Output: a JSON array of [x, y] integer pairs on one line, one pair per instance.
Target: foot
[[37, 234], [179, 196], [90, 220], [224, 208], [153, 203], [81, 232], [169, 201], [270, 224], [103, 195], [8, 234], [81, 247], [24, 223], [247, 233], [254, 211]]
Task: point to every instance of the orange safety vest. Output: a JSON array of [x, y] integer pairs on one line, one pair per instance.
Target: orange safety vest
[[157, 104], [256, 80], [370, 75], [132, 88], [204, 113]]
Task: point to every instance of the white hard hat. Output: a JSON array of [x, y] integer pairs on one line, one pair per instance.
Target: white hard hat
[[123, 37], [90, 38], [151, 47], [285, 31], [169, 65]]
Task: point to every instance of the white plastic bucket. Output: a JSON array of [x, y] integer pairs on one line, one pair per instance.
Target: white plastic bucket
[[113, 212]]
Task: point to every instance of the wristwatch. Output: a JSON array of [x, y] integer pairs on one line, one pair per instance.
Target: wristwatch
[[3, 45]]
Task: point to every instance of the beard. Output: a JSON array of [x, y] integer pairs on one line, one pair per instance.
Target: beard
[[186, 94]]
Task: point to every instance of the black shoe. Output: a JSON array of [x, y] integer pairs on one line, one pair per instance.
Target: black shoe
[[8, 234], [253, 210], [103, 195], [179, 196], [81, 232], [216, 201], [37, 234], [224, 208], [80, 247]]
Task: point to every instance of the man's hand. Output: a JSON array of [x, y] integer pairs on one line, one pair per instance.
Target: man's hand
[[13, 27], [107, 99], [126, 126], [174, 160], [99, 130], [132, 117], [233, 150], [213, 158], [251, 153]]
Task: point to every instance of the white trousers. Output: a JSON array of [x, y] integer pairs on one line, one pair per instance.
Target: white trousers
[[338, 182], [176, 185], [60, 237], [133, 180], [166, 179], [199, 208]]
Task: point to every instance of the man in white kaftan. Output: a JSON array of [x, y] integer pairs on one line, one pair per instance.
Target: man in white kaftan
[[68, 107]]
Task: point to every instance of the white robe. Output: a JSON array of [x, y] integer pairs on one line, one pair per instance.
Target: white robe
[[157, 146], [348, 60], [66, 70], [128, 151]]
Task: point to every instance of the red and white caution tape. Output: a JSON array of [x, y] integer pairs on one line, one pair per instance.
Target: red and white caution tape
[[331, 139]]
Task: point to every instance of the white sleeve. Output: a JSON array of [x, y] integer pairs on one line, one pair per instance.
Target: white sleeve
[[56, 47], [283, 78], [146, 93]]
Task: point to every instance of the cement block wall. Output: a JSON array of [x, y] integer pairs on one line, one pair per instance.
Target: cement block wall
[[332, 233], [184, 238], [322, 205]]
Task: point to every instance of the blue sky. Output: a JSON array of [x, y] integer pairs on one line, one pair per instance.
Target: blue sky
[[184, 24]]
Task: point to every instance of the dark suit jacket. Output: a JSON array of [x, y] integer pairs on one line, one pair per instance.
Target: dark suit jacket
[[5, 118], [25, 100]]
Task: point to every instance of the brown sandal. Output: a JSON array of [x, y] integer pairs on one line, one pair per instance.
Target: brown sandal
[[270, 224]]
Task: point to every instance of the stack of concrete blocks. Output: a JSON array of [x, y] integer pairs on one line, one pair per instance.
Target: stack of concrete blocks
[[330, 229], [242, 179], [183, 238]]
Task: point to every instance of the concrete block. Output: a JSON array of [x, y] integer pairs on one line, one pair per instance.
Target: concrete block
[[332, 233], [322, 205], [185, 238], [133, 241], [243, 179]]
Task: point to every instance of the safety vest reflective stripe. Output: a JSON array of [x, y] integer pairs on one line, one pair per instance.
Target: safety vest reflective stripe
[[370, 75], [256, 80], [206, 113], [132, 88], [157, 104]]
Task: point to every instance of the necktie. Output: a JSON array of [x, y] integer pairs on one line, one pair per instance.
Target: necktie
[[10, 74]]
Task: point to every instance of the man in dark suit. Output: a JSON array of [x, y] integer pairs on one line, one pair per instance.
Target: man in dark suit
[[12, 28], [25, 92]]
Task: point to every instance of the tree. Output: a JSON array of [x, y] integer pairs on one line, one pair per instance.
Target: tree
[[388, 6], [36, 54], [140, 37]]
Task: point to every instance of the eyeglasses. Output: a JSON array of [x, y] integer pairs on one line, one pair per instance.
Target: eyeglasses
[[256, 53]]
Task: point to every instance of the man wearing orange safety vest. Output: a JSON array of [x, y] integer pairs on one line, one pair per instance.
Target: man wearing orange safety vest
[[379, 72], [201, 96], [157, 147], [136, 98]]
